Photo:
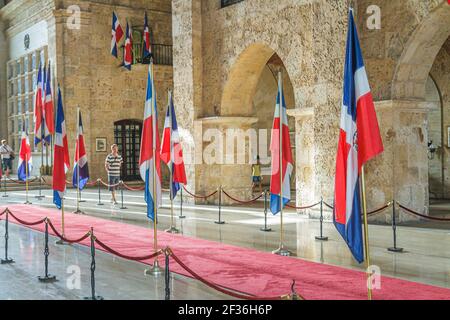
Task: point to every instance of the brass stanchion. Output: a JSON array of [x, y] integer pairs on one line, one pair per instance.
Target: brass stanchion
[[122, 207], [167, 273], [265, 228], [220, 207], [61, 242], [321, 237], [181, 216], [99, 193], [282, 251], [155, 269], [366, 235], [394, 231]]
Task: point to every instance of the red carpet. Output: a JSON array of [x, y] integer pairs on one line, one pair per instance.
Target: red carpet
[[244, 270]]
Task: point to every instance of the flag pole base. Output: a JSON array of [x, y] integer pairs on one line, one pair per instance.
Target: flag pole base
[[62, 243], [155, 270], [172, 230], [79, 212], [27, 202], [100, 204], [39, 197], [266, 229], [181, 217], [99, 298], [47, 279], [82, 201], [282, 251], [320, 238], [7, 261], [219, 222], [5, 196], [399, 250]]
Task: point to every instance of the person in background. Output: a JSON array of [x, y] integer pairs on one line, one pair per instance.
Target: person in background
[[7, 154], [256, 175], [113, 164]]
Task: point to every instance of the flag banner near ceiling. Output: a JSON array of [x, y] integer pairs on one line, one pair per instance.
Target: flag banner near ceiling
[[359, 141], [147, 47], [128, 51], [117, 34]]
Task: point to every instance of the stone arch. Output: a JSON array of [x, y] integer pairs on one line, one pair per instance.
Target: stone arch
[[420, 52], [244, 77]]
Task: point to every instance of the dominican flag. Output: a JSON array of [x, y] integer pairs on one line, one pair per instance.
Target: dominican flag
[[25, 158], [80, 163], [48, 108], [147, 45], [61, 162], [286, 155], [39, 122], [359, 141], [171, 151], [128, 54], [150, 158], [117, 34]]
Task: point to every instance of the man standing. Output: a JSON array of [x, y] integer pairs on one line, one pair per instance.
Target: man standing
[[7, 154], [113, 163]]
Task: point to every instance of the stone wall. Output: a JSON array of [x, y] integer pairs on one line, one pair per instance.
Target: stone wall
[[309, 37], [90, 77]]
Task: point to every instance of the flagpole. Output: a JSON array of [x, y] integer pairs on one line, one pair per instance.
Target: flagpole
[[63, 232], [172, 228], [366, 234], [155, 270], [281, 250], [78, 211]]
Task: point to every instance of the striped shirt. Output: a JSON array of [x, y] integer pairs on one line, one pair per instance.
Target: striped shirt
[[113, 164]]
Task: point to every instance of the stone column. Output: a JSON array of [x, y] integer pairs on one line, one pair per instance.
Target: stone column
[[3, 84], [223, 156], [305, 149], [401, 172]]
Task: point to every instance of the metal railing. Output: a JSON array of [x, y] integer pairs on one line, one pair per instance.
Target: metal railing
[[162, 54]]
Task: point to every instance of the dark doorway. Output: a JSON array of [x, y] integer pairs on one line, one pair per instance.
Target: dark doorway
[[127, 135]]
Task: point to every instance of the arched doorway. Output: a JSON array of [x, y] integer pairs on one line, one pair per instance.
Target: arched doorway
[[127, 136]]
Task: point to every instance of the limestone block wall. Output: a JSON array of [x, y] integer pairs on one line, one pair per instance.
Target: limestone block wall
[[90, 77]]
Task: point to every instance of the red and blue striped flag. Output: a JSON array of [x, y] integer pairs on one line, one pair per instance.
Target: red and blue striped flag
[[280, 124], [171, 151], [117, 34], [147, 48], [38, 112], [150, 157], [128, 53], [25, 158], [81, 160], [359, 141], [48, 107], [61, 162]]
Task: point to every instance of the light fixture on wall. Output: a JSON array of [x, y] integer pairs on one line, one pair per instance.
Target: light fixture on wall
[[431, 150]]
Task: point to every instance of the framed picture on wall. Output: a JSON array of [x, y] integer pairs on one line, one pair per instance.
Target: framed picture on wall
[[100, 144]]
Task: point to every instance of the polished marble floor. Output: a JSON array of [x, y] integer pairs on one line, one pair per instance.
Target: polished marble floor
[[426, 258]]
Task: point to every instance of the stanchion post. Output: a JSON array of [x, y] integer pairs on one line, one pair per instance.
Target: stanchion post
[[6, 260], [220, 208], [181, 216], [93, 294], [266, 207], [321, 237], [5, 195], [100, 203], [122, 207], [167, 274], [394, 231], [46, 278], [40, 196], [81, 200]]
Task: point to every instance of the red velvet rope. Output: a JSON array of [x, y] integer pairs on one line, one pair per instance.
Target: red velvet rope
[[218, 288], [110, 250], [25, 223], [199, 197], [22, 182], [87, 235], [421, 215], [4, 211], [302, 208], [379, 210], [133, 189], [109, 185], [242, 201]]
